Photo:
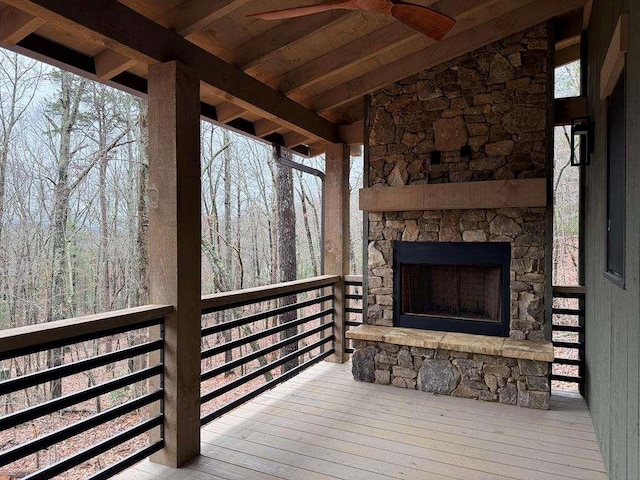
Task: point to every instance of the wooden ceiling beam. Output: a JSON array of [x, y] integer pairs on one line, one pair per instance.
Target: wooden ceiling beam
[[110, 63], [288, 33], [186, 19], [226, 112], [133, 35], [366, 47], [266, 127], [347, 56], [194, 15], [512, 22], [293, 139], [16, 25]]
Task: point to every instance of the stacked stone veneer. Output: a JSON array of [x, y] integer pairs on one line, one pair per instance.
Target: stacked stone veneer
[[484, 377], [495, 100]]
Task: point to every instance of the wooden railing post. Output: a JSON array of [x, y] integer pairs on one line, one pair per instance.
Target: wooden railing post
[[336, 235], [174, 248]]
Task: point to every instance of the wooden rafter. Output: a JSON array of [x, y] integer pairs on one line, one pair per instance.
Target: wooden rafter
[[16, 25], [512, 22], [137, 37], [260, 48]]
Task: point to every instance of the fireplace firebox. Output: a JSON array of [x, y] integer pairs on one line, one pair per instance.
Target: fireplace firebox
[[453, 287]]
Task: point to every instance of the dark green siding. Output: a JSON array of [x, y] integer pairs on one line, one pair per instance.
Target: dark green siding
[[613, 313]]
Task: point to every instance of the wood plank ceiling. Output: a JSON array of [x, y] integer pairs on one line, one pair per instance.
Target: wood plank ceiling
[[298, 82]]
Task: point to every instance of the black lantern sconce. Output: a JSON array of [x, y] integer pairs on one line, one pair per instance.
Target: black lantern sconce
[[581, 137]]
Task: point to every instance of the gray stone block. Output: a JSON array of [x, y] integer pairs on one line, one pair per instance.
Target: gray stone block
[[509, 394], [438, 376], [363, 365], [539, 400]]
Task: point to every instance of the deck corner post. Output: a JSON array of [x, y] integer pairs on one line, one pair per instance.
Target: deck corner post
[[174, 249], [336, 235]]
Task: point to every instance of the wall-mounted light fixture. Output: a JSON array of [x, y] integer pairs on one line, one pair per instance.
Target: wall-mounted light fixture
[[581, 141]]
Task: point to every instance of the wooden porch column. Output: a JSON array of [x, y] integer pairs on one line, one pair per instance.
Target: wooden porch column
[[174, 248], [336, 234]]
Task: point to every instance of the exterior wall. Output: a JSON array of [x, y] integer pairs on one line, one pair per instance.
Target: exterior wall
[[613, 313], [495, 100]]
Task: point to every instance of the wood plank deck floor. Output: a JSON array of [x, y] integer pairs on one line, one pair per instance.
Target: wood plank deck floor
[[322, 424]]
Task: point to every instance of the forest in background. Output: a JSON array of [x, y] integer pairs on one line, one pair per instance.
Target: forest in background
[[73, 223]]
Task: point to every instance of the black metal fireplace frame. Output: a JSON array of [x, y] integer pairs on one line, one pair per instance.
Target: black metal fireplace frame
[[485, 254]]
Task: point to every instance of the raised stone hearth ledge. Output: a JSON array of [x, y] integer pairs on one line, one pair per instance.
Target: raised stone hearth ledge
[[459, 342], [491, 369], [529, 192]]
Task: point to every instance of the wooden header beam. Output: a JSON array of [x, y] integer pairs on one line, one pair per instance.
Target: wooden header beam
[[135, 36]]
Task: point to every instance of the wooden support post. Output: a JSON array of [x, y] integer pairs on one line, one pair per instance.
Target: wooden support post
[[174, 248], [336, 234]]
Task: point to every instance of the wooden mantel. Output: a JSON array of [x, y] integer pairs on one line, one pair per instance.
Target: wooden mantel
[[530, 192]]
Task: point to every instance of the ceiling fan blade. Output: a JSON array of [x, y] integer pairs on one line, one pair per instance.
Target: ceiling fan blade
[[429, 22], [301, 11]]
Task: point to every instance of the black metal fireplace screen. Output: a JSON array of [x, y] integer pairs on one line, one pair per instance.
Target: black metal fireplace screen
[[453, 287]]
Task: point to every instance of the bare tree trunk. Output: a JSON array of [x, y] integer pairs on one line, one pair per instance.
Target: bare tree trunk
[[286, 250], [228, 257], [70, 96], [142, 243], [305, 218], [141, 256]]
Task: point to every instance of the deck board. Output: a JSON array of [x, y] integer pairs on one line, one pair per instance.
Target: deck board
[[323, 425]]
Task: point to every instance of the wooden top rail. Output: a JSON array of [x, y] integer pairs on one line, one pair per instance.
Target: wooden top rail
[[31, 337], [222, 300]]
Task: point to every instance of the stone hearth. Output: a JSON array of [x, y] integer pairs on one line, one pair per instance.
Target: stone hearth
[[513, 372]]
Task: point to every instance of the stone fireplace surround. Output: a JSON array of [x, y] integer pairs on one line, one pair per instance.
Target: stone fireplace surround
[[496, 101]]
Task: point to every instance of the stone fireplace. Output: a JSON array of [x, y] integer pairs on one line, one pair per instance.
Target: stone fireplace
[[457, 161], [494, 101]]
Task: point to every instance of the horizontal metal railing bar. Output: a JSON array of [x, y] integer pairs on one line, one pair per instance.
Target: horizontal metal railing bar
[[63, 434], [264, 333], [89, 453], [262, 352], [349, 350], [26, 381], [568, 361], [567, 311], [263, 388], [129, 461], [567, 328], [574, 345], [569, 291], [34, 338], [17, 418], [352, 324], [238, 322], [260, 371], [350, 296], [566, 378], [237, 298]]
